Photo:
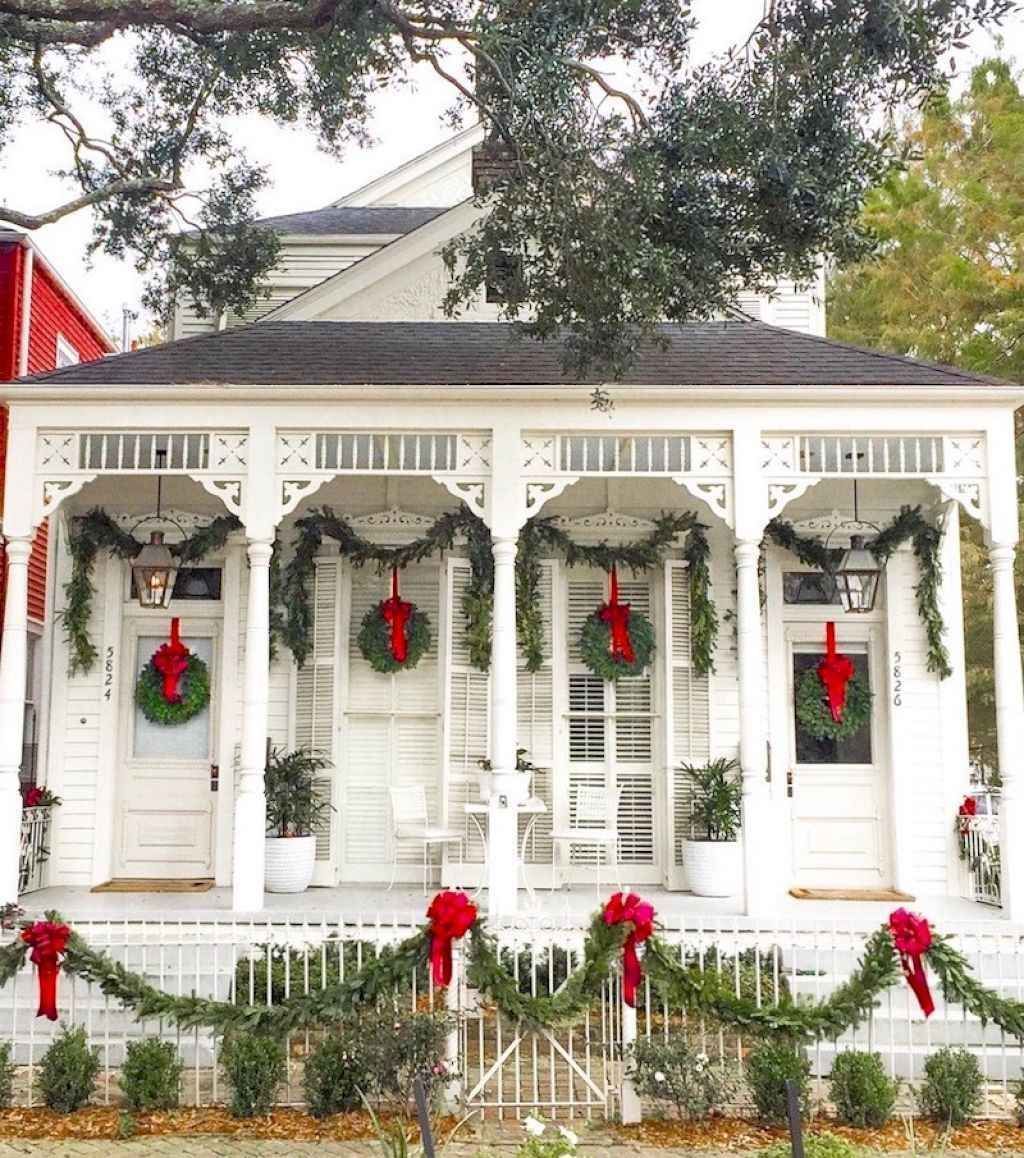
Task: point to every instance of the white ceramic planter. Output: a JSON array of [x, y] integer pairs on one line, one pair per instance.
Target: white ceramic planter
[[290, 862], [714, 868]]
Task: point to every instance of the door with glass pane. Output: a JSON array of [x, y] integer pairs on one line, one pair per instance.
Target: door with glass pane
[[165, 806], [838, 787]]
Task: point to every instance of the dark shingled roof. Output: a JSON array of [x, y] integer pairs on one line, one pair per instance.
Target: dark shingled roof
[[354, 219], [727, 353]]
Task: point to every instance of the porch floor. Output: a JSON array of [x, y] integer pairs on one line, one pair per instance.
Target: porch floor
[[405, 904]]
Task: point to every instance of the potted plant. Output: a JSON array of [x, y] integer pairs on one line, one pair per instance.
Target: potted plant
[[712, 853], [294, 808], [524, 774]]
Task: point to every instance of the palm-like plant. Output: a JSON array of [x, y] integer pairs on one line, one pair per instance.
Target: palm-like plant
[[717, 794], [294, 808]]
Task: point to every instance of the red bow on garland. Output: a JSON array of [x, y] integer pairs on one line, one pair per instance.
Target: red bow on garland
[[629, 909], [912, 937], [171, 661], [396, 613], [835, 671], [616, 615], [451, 915], [48, 941]]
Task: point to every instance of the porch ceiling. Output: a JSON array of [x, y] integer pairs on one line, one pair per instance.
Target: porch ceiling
[[120, 494]]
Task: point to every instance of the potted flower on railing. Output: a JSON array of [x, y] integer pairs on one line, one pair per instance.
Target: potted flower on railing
[[524, 770], [711, 854], [37, 811], [295, 807]]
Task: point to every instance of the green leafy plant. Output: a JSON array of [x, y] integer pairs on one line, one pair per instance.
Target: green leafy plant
[[823, 1145], [769, 1066], [952, 1088], [335, 1074], [255, 1066], [397, 1049], [127, 1125], [863, 1093], [6, 1074], [294, 808], [717, 797], [151, 1075], [673, 1073], [1018, 1104], [67, 1073]]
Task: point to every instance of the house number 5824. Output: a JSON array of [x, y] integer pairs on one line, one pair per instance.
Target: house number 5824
[[108, 674], [897, 679]]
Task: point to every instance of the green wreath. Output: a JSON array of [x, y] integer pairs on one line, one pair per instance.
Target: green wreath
[[813, 712], [595, 646], [374, 640], [195, 693]]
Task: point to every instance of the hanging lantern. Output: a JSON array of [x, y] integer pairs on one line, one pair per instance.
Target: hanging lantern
[[857, 577], [155, 570]]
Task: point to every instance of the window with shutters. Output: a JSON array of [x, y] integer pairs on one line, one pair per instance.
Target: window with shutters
[[611, 725], [536, 731]]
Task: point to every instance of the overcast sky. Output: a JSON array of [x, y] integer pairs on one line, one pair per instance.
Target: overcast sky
[[405, 122]]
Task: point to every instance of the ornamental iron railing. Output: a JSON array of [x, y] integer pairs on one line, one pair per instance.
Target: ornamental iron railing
[[35, 849]]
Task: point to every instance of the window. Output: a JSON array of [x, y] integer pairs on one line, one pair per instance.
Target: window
[[67, 355], [855, 749], [809, 587], [192, 583], [504, 278]]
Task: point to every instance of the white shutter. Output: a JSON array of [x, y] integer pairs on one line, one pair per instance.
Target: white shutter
[[392, 729], [687, 710], [535, 728], [315, 716]]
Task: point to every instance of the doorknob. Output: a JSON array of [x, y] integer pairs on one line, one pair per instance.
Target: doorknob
[[214, 777]]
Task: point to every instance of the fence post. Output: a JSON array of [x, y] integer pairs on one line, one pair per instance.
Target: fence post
[[454, 998], [629, 1099]]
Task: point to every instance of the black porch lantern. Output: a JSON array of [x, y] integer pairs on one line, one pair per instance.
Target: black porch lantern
[[859, 574], [154, 568]]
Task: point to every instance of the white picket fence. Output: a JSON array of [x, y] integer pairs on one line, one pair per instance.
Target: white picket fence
[[505, 1071]]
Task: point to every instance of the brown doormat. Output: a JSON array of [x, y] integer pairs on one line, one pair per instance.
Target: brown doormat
[[849, 895], [150, 885]]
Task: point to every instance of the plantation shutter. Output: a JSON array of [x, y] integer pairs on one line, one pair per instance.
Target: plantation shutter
[[392, 729], [687, 712], [315, 715], [468, 730], [535, 727]]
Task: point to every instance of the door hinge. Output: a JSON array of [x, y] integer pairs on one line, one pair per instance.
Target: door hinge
[[789, 783], [214, 777]]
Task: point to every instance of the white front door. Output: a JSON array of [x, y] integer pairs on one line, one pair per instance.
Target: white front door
[[839, 788], [164, 819]]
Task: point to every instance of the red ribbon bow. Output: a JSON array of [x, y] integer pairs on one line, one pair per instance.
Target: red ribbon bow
[[48, 941], [33, 797], [912, 937], [835, 671], [616, 615], [629, 909], [451, 915], [397, 614], [171, 661]]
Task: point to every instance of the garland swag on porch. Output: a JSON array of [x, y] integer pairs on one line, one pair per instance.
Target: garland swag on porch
[[926, 539], [898, 950], [95, 531]]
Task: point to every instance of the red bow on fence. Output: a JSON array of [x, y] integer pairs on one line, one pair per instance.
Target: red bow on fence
[[396, 614], [835, 671], [451, 915], [616, 615], [171, 661], [629, 909], [912, 937], [47, 940]]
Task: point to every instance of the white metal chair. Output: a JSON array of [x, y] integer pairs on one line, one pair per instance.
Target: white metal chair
[[595, 824], [410, 823]]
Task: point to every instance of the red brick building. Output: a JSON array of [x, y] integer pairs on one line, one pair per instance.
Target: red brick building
[[43, 325]]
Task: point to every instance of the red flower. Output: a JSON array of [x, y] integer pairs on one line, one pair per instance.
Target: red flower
[[629, 909], [451, 915], [969, 806], [33, 796]]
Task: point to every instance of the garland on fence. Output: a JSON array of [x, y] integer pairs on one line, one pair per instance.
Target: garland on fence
[[900, 948], [909, 524], [95, 531]]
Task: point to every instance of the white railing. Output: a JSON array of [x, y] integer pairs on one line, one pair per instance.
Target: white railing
[[978, 837], [35, 849], [506, 1071]]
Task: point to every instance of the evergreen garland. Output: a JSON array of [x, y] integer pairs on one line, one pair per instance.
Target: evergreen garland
[[909, 524], [813, 712], [95, 531], [195, 693]]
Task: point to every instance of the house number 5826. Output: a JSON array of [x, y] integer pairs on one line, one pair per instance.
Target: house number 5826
[[108, 674], [897, 679]]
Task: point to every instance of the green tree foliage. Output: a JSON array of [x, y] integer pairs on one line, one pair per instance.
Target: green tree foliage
[[947, 284], [617, 202]]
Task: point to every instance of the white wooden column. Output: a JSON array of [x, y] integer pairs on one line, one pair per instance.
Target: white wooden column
[[13, 661]]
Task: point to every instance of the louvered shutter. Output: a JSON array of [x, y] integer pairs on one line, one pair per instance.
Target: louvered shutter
[[392, 730], [315, 715], [535, 728], [687, 714]]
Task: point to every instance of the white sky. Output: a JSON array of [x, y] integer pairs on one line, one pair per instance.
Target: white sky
[[405, 122]]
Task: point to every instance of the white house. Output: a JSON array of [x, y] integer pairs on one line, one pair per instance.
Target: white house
[[350, 391]]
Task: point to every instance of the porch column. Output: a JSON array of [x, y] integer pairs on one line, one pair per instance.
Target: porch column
[[502, 852], [1009, 694], [250, 797], [13, 661], [757, 850]]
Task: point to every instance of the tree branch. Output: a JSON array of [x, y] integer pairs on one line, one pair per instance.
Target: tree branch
[[113, 189]]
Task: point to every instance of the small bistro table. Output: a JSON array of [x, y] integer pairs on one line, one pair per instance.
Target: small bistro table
[[532, 808]]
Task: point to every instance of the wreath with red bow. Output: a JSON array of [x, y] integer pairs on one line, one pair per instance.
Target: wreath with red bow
[[175, 685], [394, 635], [616, 641]]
